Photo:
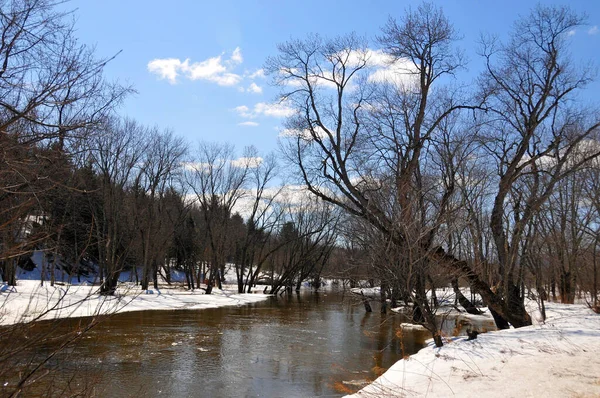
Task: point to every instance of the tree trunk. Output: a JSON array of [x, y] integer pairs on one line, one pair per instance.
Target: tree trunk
[[109, 286], [9, 274], [145, 278], [366, 303], [567, 291], [383, 298], [155, 274], [508, 310], [464, 302], [434, 300]]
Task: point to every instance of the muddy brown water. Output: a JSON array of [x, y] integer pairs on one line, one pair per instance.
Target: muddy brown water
[[312, 344]]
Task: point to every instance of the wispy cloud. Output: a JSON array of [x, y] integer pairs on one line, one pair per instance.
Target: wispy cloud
[[571, 32], [248, 124], [236, 57], [244, 111], [215, 69], [387, 69], [305, 134], [254, 88], [379, 67], [593, 30], [277, 109], [259, 73], [201, 167], [250, 163]]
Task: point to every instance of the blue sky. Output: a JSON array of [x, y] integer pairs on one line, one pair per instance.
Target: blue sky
[[226, 42]]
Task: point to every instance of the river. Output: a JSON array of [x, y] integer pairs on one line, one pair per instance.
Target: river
[[311, 344]]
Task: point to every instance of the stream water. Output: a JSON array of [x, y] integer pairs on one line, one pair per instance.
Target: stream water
[[312, 344]]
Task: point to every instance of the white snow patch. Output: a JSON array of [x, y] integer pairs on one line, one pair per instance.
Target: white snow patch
[[29, 301], [559, 358]]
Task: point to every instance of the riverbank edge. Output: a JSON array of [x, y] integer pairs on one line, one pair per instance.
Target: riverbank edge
[[555, 358], [30, 302]]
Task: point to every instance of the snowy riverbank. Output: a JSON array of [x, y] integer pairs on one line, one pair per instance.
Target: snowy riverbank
[[29, 301], [560, 358]]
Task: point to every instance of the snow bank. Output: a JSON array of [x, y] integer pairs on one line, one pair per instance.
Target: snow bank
[[411, 327], [29, 301], [367, 291], [557, 359]]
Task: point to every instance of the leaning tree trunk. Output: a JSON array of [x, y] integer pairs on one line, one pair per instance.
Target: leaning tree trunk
[[505, 310], [464, 302]]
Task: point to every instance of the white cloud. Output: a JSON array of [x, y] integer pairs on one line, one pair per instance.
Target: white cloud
[[277, 109], [227, 79], [304, 134], [587, 148], [236, 57], [259, 73], [571, 32], [244, 111], [199, 167], [195, 166], [291, 197], [593, 30], [254, 88], [323, 79], [251, 163], [379, 67], [368, 57], [291, 132], [213, 69], [165, 68], [298, 195], [386, 69], [248, 124], [401, 73], [205, 69]]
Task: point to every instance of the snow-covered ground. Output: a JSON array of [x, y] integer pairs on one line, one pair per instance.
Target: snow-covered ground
[[78, 297], [29, 301], [559, 358]]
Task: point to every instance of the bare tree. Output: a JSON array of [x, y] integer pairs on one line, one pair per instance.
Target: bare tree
[[534, 133], [218, 182], [361, 146], [565, 220], [154, 179], [263, 214], [592, 192], [47, 79], [51, 93], [303, 244], [115, 153], [23, 181]]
